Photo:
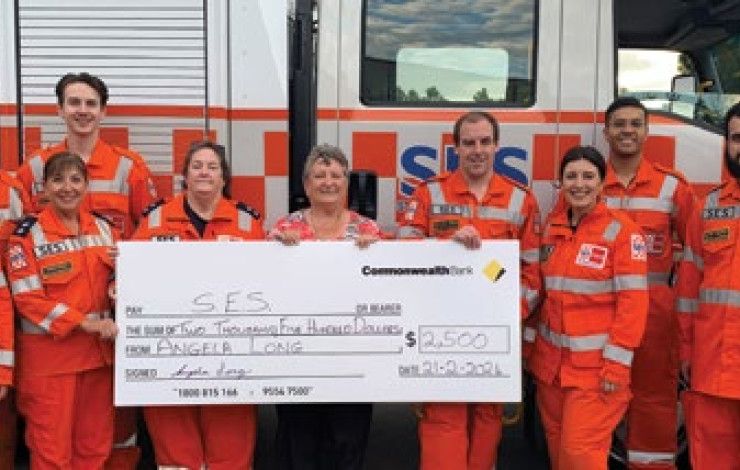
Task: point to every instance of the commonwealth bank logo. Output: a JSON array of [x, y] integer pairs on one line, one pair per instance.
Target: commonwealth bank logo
[[494, 271]]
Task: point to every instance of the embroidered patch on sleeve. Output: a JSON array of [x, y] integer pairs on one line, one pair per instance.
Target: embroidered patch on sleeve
[[17, 258], [638, 248]]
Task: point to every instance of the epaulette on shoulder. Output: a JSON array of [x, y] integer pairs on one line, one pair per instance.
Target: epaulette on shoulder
[[128, 153], [249, 210], [23, 226], [100, 216], [516, 183], [152, 206], [670, 171], [439, 177]]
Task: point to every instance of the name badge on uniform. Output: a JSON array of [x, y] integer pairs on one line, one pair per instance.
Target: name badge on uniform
[[165, 238], [56, 269], [718, 235], [445, 225], [592, 256]]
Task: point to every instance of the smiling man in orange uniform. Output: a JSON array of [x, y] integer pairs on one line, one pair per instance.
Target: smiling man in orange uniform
[[659, 200], [468, 205], [709, 313], [120, 189]]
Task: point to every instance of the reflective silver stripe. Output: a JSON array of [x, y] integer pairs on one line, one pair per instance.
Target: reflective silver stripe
[[496, 213], [27, 326], [630, 282], [618, 354], [670, 183], [119, 183], [658, 278], [155, 217], [685, 305], [516, 202], [15, 206], [56, 312], [529, 334], [530, 296], [436, 195], [612, 230], [71, 244], [105, 231], [25, 284], [131, 442], [36, 164], [574, 343], [409, 232], [638, 456], [582, 286], [530, 256], [450, 209], [712, 199], [3, 280], [244, 221], [7, 358], [720, 296], [640, 203], [690, 257], [37, 235]]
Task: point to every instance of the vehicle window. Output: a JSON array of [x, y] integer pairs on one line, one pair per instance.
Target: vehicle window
[[417, 52], [672, 82]]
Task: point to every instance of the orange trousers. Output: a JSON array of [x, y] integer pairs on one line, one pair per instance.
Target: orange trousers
[[460, 436], [713, 429], [221, 437], [69, 419], [652, 416], [579, 424], [8, 429]]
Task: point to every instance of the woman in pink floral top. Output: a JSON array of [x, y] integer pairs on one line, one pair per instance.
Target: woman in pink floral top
[[318, 436]]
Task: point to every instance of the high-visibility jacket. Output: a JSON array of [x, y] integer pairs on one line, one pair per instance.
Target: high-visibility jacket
[[508, 210], [120, 184], [57, 279], [231, 221], [13, 203], [709, 293], [595, 302], [660, 201]]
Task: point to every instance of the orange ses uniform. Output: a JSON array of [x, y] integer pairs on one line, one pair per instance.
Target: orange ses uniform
[[660, 201], [13, 202], [709, 313], [65, 383], [217, 437], [592, 318], [449, 439], [120, 184]]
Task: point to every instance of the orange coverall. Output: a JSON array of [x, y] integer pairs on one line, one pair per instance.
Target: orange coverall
[[64, 376], [660, 201], [13, 203], [592, 318], [219, 437], [120, 188], [458, 435], [709, 314], [120, 184]]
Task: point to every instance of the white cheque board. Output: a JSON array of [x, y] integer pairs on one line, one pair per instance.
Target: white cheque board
[[258, 322]]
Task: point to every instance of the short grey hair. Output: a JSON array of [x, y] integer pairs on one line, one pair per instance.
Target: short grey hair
[[325, 154]]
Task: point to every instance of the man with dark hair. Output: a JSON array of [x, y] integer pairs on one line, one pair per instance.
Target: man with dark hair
[[120, 189], [709, 313], [660, 200], [468, 205]]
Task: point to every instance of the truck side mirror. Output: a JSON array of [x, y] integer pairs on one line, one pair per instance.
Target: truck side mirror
[[683, 95]]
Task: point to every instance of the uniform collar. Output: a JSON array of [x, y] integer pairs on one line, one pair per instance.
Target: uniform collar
[[224, 209], [642, 176], [460, 186], [53, 224], [730, 189], [100, 152], [559, 219]]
